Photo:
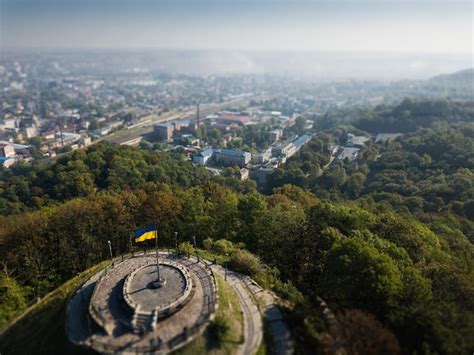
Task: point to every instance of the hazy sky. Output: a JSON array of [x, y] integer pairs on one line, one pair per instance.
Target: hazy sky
[[424, 26]]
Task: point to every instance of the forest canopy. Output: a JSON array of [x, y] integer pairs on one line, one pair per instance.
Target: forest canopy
[[385, 239]]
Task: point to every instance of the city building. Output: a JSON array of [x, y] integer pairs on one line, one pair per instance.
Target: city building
[[290, 147], [227, 157], [163, 131], [356, 141], [232, 157], [284, 149], [229, 118], [30, 132], [227, 138], [85, 141], [348, 153], [301, 141], [276, 134], [7, 162], [386, 137], [7, 150], [262, 157], [260, 175], [203, 156], [242, 174]]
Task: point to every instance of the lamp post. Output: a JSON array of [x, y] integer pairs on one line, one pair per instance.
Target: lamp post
[[225, 267], [195, 247], [176, 241], [110, 251]]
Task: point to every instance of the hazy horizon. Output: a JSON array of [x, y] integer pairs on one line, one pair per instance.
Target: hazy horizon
[[298, 64], [420, 26], [361, 39]]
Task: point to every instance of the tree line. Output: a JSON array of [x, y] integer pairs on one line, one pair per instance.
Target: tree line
[[382, 263]]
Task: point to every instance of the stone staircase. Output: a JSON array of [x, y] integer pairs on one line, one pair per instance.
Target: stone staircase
[[142, 322]]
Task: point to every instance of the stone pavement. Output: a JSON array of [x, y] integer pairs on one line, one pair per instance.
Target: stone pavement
[[254, 300], [149, 298], [276, 324], [168, 334]]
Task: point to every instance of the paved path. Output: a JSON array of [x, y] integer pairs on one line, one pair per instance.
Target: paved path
[[253, 327], [276, 325], [250, 294]]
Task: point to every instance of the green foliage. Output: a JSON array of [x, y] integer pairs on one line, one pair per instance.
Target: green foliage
[[402, 251], [82, 173], [244, 262], [219, 327], [222, 246], [410, 115], [186, 248], [12, 299], [427, 170], [359, 274], [41, 329]]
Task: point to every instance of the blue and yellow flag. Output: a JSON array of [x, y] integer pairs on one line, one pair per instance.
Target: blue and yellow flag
[[146, 233]]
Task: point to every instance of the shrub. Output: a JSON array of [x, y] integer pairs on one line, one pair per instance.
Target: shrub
[[12, 299], [219, 328], [364, 334], [244, 262], [223, 246], [186, 248], [208, 243]]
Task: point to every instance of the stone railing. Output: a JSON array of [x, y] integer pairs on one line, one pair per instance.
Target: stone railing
[[167, 308]]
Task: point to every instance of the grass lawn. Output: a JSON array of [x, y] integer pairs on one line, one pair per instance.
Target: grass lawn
[[229, 308], [41, 330]]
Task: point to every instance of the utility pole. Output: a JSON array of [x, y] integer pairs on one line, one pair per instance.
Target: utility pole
[[110, 251], [131, 244]]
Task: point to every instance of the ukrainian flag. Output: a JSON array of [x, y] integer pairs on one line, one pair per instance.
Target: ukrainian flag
[[146, 233]]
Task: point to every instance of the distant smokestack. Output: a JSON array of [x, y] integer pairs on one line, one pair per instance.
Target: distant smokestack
[[198, 119]]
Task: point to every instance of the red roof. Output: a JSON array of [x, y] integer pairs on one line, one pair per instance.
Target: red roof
[[234, 118]]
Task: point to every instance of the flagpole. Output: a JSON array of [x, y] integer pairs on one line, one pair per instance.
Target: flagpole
[[157, 262]]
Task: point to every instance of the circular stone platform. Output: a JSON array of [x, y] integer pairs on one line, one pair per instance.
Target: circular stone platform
[[149, 298], [141, 294], [118, 311]]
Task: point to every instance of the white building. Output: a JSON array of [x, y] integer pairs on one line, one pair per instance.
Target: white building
[[7, 150], [356, 141], [203, 156], [263, 157], [348, 153]]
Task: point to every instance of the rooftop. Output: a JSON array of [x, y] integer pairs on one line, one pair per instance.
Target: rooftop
[[206, 153], [238, 153]]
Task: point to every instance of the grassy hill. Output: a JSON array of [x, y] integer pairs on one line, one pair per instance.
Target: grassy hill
[[41, 329]]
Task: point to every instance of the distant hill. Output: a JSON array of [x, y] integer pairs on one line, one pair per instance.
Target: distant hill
[[460, 78]]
